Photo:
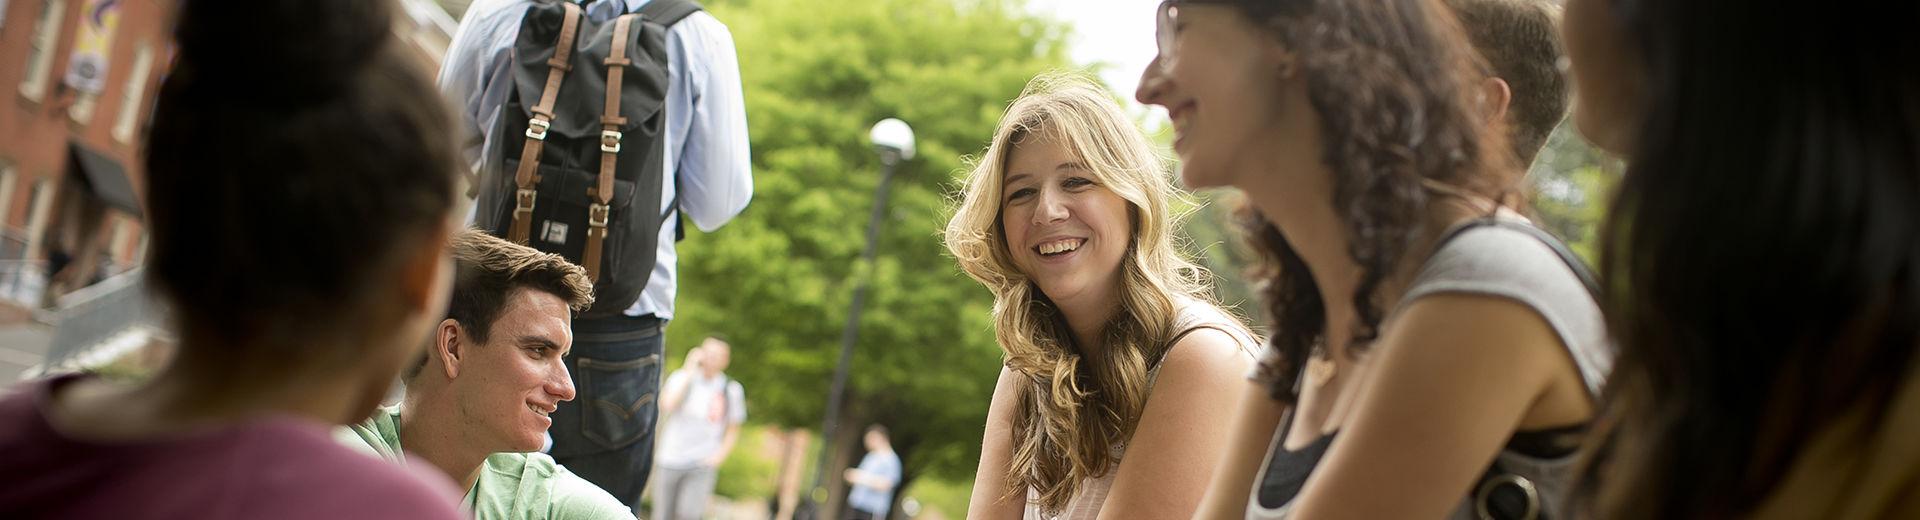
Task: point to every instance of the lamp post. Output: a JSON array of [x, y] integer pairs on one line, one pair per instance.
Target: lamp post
[[893, 139]]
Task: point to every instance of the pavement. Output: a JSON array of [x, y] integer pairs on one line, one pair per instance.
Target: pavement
[[22, 346]]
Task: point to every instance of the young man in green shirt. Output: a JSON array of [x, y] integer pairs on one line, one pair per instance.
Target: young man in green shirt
[[477, 403]]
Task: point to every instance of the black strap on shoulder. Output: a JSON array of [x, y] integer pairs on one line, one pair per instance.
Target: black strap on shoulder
[[668, 12], [1579, 267]]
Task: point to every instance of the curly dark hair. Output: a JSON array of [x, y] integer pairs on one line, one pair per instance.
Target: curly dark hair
[[1394, 83]]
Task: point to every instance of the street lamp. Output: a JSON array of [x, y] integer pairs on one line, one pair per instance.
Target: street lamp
[[893, 139]]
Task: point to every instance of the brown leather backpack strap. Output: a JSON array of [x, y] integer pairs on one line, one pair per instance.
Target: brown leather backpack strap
[[525, 178], [610, 122]]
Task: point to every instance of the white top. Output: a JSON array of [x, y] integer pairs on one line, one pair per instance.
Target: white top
[[706, 126], [695, 430]]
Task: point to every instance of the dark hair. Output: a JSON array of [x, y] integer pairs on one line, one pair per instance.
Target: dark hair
[[1394, 85], [878, 428], [1520, 40], [296, 153], [487, 271], [1763, 255]]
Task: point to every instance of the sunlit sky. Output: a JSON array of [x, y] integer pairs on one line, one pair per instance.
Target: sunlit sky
[[1118, 33]]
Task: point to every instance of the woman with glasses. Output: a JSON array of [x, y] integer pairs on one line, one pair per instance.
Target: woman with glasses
[[1116, 356], [1434, 355]]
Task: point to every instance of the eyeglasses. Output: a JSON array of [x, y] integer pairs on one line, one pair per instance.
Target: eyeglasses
[[1165, 29]]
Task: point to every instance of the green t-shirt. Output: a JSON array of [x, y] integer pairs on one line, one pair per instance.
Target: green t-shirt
[[512, 486]]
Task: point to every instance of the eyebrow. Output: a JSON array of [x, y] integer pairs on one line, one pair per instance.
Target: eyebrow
[[1069, 165], [539, 341]]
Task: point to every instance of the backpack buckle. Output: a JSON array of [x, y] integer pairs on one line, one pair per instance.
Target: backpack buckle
[[610, 141], [537, 128], [597, 215], [523, 202]]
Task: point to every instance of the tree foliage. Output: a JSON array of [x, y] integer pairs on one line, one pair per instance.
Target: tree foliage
[[777, 281]]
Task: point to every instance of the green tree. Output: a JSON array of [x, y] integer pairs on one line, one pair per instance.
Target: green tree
[[777, 281], [1572, 185]]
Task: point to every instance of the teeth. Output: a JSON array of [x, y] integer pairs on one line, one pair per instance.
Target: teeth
[[542, 413], [1060, 246]]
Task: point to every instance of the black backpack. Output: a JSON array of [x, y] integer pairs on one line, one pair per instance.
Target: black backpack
[[580, 164]]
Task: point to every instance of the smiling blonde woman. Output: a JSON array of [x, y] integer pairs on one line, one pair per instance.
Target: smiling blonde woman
[[1117, 359]]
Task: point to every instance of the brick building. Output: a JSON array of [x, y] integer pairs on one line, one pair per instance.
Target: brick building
[[79, 78]]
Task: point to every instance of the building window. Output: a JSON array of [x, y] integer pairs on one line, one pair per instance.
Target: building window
[[133, 97], [7, 180], [46, 34], [38, 212]]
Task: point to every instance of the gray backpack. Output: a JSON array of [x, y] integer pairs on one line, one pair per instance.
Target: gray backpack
[[580, 167]]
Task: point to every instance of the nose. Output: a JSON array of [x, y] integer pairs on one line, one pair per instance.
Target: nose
[[560, 383], [1051, 207], [1153, 83]]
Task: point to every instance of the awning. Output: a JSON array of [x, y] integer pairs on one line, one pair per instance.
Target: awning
[[105, 178]]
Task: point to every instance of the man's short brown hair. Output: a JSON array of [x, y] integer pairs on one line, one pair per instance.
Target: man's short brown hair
[[1520, 39], [487, 270]]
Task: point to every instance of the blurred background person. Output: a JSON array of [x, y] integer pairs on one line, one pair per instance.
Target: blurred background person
[[874, 479], [702, 411]]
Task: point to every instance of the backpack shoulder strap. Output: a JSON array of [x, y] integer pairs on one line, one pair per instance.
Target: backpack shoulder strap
[[668, 12]]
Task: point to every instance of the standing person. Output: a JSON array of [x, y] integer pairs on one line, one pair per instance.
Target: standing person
[[478, 402], [703, 410], [1435, 355], [607, 434], [1116, 355], [299, 198], [875, 479], [1764, 251]]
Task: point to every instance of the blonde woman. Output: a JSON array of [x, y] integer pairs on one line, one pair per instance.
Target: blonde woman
[[1118, 363]]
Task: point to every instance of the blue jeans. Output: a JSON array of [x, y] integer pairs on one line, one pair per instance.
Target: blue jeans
[[605, 434]]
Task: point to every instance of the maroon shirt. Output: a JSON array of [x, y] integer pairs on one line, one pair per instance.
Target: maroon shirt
[[282, 468]]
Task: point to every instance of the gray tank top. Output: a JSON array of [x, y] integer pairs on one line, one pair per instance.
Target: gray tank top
[[1495, 261]]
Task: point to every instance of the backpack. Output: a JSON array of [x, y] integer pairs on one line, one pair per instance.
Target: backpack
[[584, 182]]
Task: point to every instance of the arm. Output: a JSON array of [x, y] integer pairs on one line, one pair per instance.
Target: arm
[[865, 478], [1454, 379], [715, 170], [726, 446], [478, 54], [1177, 443], [675, 392], [1252, 434], [996, 452]]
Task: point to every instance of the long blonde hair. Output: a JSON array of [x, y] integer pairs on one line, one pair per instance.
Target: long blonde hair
[[1074, 411]]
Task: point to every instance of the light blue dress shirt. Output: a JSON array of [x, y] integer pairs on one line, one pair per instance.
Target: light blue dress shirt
[[706, 123]]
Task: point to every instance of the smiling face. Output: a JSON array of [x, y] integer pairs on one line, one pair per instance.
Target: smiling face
[[510, 385], [1064, 230], [1223, 82]]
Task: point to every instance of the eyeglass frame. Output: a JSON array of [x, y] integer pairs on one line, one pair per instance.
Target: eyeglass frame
[[1164, 29]]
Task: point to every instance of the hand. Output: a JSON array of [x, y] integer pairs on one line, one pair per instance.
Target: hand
[[852, 476], [695, 357], [714, 461]]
